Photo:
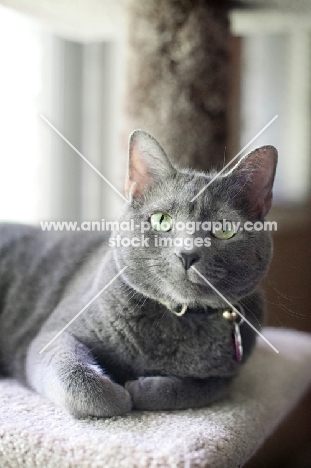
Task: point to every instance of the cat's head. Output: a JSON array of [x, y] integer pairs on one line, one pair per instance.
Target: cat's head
[[234, 261]]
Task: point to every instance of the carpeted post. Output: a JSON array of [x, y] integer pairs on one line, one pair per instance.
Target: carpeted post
[[178, 77]]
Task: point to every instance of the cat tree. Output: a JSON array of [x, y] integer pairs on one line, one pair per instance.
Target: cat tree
[[177, 87], [34, 433], [178, 77]]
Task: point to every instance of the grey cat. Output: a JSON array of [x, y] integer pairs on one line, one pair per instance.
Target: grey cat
[[156, 338]]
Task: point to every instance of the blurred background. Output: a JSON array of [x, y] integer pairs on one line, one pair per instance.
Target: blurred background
[[204, 77]]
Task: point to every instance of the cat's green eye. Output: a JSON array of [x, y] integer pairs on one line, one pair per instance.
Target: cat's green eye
[[161, 221], [224, 234]]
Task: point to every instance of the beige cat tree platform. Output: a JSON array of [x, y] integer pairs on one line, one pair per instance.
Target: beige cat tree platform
[[34, 433]]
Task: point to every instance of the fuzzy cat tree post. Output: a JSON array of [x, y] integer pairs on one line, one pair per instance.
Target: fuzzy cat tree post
[[178, 77]]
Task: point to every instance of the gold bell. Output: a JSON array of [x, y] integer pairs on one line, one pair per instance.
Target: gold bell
[[230, 315]]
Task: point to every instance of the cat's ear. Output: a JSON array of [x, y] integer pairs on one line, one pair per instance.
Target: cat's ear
[[254, 177], [147, 165]]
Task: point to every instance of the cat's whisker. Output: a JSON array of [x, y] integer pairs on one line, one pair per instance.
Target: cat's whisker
[[289, 311]]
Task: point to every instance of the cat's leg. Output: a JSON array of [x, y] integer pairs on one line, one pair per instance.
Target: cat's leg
[[67, 374], [169, 393]]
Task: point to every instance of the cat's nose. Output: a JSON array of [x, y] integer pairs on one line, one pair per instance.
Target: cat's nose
[[188, 257]]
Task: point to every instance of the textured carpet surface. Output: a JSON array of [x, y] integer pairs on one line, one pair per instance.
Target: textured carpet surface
[[34, 433]]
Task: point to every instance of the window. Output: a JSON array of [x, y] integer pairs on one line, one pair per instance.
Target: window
[[77, 87], [20, 87], [276, 77]]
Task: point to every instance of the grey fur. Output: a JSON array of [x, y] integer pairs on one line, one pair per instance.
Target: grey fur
[[128, 349]]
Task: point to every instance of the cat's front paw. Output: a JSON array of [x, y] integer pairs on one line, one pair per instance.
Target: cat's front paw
[[69, 376], [87, 393], [152, 393]]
